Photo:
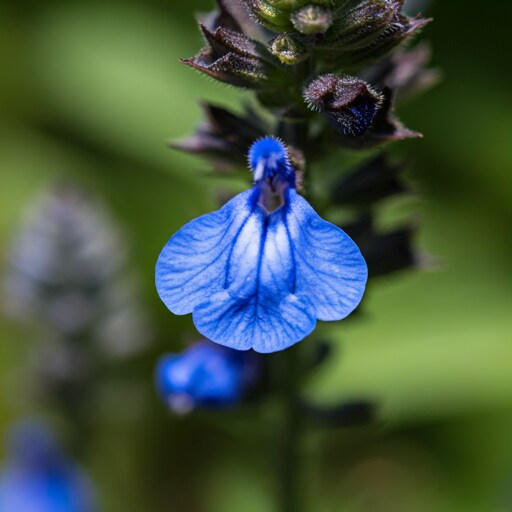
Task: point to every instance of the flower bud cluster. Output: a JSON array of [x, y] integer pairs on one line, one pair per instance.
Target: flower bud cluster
[[334, 57], [350, 31]]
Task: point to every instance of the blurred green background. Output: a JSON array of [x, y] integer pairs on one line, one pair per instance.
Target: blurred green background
[[93, 91]]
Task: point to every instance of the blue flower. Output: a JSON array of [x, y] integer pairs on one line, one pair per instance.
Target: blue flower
[[38, 477], [260, 271], [205, 375]]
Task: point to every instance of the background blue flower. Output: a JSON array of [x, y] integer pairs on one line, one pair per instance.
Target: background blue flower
[[38, 477], [260, 279], [205, 375]]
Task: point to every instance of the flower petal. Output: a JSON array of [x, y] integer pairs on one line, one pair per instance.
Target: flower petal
[[258, 308], [331, 270], [259, 280], [192, 265], [263, 325]]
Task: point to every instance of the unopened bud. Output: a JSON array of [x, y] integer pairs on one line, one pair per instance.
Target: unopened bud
[[312, 19], [230, 57], [349, 103], [397, 33], [267, 12], [365, 22], [370, 30], [287, 49]]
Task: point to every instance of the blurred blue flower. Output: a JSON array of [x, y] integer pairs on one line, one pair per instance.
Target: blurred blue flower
[[38, 477], [205, 375], [260, 271]]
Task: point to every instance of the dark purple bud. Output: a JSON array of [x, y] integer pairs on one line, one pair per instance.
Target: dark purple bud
[[398, 31], [361, 25], [374, 180], [230, 57], [368, 31], [226, 40], [386, 127], [349, 103]]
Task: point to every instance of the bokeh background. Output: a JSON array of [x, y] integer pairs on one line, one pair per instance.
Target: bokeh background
[[91, 92]]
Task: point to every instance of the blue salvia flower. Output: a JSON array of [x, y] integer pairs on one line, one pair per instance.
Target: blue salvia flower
[[260, 271], [205, 375], [38, 477]]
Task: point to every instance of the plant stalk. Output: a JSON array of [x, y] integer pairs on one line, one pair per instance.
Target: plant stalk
[[290, 463]]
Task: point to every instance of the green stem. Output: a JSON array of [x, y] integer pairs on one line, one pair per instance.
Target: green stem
[[295, 132], [289, 444]]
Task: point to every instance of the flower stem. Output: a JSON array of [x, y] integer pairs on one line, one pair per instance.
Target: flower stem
[[289, 442], [295, 133]]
